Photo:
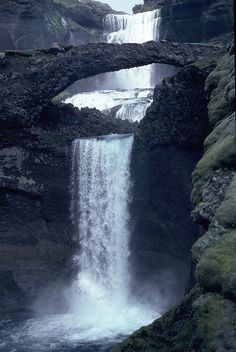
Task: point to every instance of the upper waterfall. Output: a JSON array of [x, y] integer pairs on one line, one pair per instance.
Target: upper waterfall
[[138, 28]]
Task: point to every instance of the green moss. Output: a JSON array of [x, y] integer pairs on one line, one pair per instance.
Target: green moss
[[216, 321], [216, 270], [206, 241], [226, 214], [61, 97], [221, 84], [174, 332], [224, 130], [219, 155]]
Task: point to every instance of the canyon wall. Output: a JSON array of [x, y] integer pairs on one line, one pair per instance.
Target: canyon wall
[[205, 320]]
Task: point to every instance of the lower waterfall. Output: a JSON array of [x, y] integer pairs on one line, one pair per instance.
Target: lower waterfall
[[102, 309], [101, 214], [100, 211]]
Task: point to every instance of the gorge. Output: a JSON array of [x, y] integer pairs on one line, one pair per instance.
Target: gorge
[[97, 223]]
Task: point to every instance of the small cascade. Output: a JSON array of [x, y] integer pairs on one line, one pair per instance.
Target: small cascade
[[133, 112], [71, 35], [131, 104]]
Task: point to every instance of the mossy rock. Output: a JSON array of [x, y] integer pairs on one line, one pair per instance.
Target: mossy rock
[[216, 270], [209, 239], [174, 332], [220, 84], [224, 130], [222, 154], [216, 322], [226, 213]]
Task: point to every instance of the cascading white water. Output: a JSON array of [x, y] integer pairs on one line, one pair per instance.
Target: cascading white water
[[100, 212], [101, 176], [132, 103], [138, 28], [66, 26], [132, 112]]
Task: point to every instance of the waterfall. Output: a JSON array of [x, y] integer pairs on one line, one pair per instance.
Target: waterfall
[[138, 28], [133, 112], [67, 28], [101, 187], [100, 208]]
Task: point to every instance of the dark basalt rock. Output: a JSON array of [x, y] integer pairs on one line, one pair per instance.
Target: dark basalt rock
[[178, 115], [167, 146], [149, 5], [86, 13], [196, 21]]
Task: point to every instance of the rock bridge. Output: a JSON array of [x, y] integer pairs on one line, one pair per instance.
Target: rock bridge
[[30, 79]]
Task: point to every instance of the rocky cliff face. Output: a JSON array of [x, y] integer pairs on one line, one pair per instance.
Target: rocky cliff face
[[205, 320], [33, 24], [167, 145], [196, 21]]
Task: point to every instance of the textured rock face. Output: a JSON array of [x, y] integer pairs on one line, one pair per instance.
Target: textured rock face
[[29, 24], [33, 24], [205, 320], [167, 145], [196, 21], [36, 238], [148, 5]]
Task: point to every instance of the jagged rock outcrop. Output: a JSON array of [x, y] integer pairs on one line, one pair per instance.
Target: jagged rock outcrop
[[36, 237], [205, 320], [148, 5], [33, 24], [196, 21], [29, 80]]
